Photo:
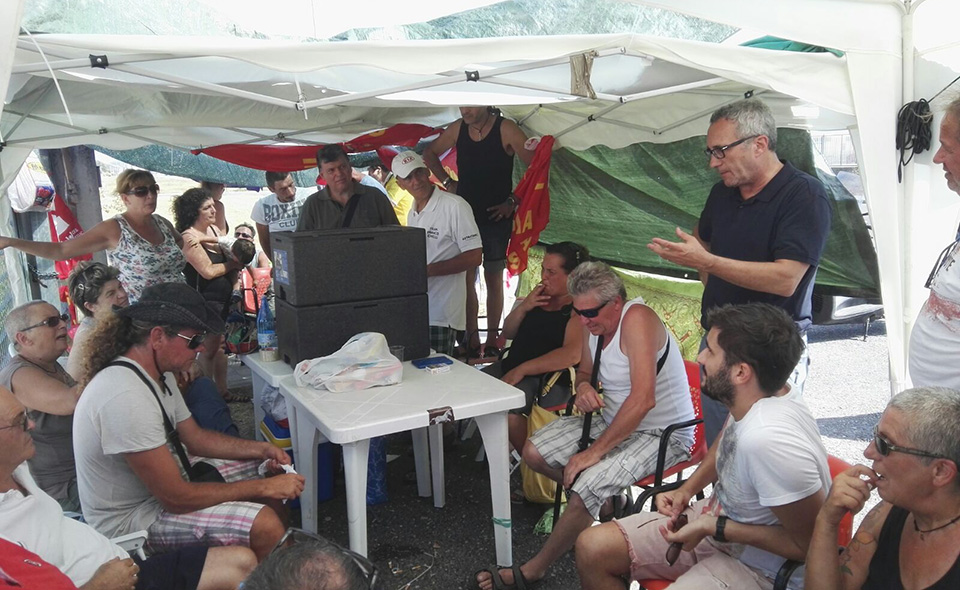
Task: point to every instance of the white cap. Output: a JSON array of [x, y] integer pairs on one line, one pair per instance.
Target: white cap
[[405, 163]]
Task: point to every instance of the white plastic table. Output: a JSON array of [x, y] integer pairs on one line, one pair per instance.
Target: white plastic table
[[263, 374], [420, 402]]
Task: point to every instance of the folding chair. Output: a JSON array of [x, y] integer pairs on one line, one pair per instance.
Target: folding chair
[[844, 534], [697, 452]]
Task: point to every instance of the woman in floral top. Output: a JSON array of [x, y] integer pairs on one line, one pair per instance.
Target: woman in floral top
[[143, 245]]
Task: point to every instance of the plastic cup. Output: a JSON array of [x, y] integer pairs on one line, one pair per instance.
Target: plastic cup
[[397, 351]]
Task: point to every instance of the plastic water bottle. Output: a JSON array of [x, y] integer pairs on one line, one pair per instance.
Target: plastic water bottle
[[267, 332]]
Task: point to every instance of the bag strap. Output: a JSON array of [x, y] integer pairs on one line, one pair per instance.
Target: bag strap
[[663, 358], [351, 209], [172, 433]]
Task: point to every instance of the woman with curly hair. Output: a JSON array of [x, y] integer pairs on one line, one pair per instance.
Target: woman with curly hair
[[142, 244], [208, 270]]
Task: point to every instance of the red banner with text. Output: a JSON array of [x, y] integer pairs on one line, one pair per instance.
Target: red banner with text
[[533, 213]]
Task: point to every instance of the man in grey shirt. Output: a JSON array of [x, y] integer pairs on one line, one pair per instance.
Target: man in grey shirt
[[343, 202]]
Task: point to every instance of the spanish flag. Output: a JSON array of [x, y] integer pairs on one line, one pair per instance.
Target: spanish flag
[[533, 213]]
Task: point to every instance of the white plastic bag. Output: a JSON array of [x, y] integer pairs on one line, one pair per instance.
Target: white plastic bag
[[363, 362], [273, 403]]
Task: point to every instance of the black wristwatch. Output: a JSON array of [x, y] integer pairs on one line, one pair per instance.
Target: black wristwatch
[[721, 524]]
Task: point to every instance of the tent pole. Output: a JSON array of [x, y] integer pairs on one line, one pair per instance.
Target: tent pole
[[451, 78], [906, 219], [84, 62], [601, 119], [589, 119], [703, 113]]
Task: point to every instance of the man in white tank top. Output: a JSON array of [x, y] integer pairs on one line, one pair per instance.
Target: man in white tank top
[[645, 390]]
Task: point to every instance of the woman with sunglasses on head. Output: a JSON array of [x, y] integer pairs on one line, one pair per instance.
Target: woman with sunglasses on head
[[546, 337], [911, 539], [143, 245]]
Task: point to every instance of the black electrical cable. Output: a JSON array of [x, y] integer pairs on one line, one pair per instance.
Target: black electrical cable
[[913, 129], [913, 132]]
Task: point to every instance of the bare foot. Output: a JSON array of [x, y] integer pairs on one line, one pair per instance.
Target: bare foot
[[485, 580]]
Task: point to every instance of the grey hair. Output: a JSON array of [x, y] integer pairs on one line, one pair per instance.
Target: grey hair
[[751, 117], [307, 566], [597, 277], [932, 420], [953, 110], [18, 319]]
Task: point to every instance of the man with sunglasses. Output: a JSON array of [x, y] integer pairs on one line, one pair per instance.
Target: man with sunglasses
[[132, 430], [30, 518], [935, 338], [768, 469], [761, 233], [39, 335], [645, 390]]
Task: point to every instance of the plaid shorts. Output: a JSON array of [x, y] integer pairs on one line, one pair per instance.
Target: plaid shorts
[[224, 524], [628, 462], [443, 339]]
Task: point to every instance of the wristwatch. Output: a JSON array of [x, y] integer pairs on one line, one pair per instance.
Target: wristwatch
[[721, 524], [447, 182]]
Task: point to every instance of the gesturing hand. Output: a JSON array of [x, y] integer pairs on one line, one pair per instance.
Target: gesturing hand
[[687, 252]]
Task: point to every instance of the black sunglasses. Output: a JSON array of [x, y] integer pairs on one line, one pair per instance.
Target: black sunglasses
[[51, 322], [143, 191], [193, 342], [23, 422], [591, 312], [720, 152], [294, 536], [885, 447]]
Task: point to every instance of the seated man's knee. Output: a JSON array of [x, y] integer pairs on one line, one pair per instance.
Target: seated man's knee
[[532, 457], [227, 567], [266, 532], [603, 547]]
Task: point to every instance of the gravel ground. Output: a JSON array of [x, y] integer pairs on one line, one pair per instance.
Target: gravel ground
[[419, 547]]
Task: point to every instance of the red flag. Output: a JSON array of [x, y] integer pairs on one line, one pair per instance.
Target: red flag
[[533, 214], [290, 158], [63, 227]]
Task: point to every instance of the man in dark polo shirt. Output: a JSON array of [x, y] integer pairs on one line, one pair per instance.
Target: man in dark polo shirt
[[761, 232], [343, 202]]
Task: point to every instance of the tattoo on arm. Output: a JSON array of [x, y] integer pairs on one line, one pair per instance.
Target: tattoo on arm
[[866, 536]]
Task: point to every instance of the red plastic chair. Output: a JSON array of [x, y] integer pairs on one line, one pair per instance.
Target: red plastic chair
[[844, 534], [697, 452]]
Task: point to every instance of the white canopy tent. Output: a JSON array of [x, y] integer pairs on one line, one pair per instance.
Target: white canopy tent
[[192, 92]]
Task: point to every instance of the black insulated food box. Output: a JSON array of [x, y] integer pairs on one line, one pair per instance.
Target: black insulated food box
[[315, 331], [337, 266]]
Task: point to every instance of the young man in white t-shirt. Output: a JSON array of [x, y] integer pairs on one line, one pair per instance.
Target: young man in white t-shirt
[[279, 211], [453, 247], [768, 468]]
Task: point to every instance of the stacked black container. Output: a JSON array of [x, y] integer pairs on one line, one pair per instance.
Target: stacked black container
[[332, 284]]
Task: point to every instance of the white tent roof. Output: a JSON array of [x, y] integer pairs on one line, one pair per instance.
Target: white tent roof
[[191, 92]]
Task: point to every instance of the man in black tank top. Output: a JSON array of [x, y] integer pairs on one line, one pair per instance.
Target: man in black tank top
[[486, 144]]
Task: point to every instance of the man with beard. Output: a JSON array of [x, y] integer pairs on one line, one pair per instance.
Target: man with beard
[[768, 469]]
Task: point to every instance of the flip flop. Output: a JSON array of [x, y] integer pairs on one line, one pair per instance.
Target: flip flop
[[520, 582]]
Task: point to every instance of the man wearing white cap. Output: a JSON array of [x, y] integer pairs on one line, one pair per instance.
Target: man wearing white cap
[[453, 247]]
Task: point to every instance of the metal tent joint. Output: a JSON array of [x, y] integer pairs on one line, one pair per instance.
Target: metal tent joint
[[102, 131], [99, 61], [472, 75]]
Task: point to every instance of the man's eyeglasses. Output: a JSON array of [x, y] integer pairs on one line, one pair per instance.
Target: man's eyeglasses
[[51, 322], [591, 312], [243, 236], [193, 342], [295, 536], [720, 152], [885, 447], [22, 422], [143, 191]]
